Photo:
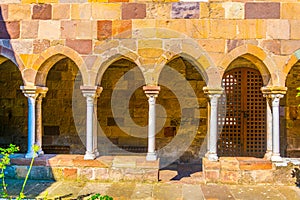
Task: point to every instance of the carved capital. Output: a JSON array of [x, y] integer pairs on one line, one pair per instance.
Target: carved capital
[[91, 91], [151, 90]]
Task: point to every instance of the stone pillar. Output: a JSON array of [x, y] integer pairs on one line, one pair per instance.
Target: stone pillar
[[273, 95], [152, 93], [91, 93], [214, 94], [41, 93], [31, 94]]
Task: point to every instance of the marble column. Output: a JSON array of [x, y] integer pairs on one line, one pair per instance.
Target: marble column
[[41, 93], [152, 93], [214, 94], [31, 94], [91, 93], [276, 131]]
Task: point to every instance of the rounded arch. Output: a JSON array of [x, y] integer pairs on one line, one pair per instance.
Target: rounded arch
[[258, 57], [101, 65], [51, 56], [291, 61]]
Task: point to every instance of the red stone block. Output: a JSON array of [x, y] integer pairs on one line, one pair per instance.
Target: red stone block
[[81, 46], [104, 29], [254, 10], [133, 11], [40, 45], [9, 30], [80, 162], [42, 11], [70, 173]]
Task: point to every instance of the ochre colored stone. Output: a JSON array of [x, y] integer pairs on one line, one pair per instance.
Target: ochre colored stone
[[204, 10], [42, 11], [223, 29], [265, 10], [230, 177], [289, 46], [229, 163], [18, 12], [212, 176], [271, 45], [290, 10], [216, 11], [133, 11], [121, 28], [106, 11], [81, 46], [295, 29], [104, 29], [9, 30], [70, 173], [81, 11], [40, 45], [112, 1], [158, 11], [197, 28], [84, 29], [61, 11], [29, 29], [217, 45]]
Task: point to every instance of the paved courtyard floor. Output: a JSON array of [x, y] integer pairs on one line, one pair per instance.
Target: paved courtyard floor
[[166, 190]]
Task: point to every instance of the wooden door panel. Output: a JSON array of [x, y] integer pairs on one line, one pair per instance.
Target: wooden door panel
[[241, 116]]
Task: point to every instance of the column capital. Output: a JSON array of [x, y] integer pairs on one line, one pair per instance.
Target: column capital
[[91, 91], [213, 91], [30, 91], [151, 90], [41, 91], [274, 91]]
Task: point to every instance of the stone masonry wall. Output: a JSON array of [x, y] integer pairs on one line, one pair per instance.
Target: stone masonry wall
[[93, 34]]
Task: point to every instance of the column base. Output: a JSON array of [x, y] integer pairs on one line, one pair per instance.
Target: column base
[[96, 152], [276, 158], [268, 155], [212, 156], [151, 156], [31, 154], [40, 152], [89, 156]]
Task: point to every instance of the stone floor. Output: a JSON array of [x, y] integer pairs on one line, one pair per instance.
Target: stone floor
[[168, 190]]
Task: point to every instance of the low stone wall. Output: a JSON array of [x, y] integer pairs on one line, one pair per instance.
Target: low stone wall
[[245, 170], [75, 168]]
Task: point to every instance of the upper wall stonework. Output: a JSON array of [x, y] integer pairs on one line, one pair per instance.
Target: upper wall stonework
[[95, 28]]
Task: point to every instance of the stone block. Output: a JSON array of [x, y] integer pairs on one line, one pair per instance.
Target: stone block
[[262, 10], [101, 174], [210, 165], [230, 177], [185, 10], [133, 11], [289, 46], [85, 174], [229, 163], [272, 46], [290, 10], [212, 176], [106, 11], [68, 29], [29, 29], [42, 11], [9, 30], [81, 11], [122, 28], [40, 45], [57, 173], [103, 46], [70, 173], [40, 173], [250, 29], [115, 174], [81, 46], [174, 28], [104, 29], [18, 12], [225, 29], [49, 29], [278, 29], [204, 10], [216, 11], [295, 29], [158, 10], [84, 29], [22, 46], [234, 10], [21, 171], [61, 11], [217, 45], [124, 162]]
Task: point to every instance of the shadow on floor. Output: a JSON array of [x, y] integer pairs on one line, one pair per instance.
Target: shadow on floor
[[182, 170]]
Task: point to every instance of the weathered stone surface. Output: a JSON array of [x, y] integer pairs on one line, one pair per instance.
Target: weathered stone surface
[[61, 11], [42, 11], [216, 11], [104, 29], [68, 29], [70, 173], [234, 10], [84, 29], [40, 45], [185, 10], [230, 177], [49, 29], [22, 47], [290, 11], [278, 29], [81, 46], [9, 30], [18, 12], [29, 29], [272, 45], [121, 28], [158, 11], [133, 11], [263, 10], [229, 163], [81, 11], [106, 11], [289, 46], [295, 29]]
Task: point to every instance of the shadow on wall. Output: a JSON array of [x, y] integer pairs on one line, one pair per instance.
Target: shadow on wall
[[13, 104]]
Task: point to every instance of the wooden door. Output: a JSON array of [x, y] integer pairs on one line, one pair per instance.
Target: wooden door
[[242, 114]]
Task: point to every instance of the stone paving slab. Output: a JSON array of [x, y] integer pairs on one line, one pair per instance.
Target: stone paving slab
[[151, 191]]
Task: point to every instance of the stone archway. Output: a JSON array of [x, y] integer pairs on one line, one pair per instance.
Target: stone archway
[[13, 110]]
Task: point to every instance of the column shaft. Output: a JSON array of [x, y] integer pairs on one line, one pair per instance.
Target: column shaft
[[276, 132]]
